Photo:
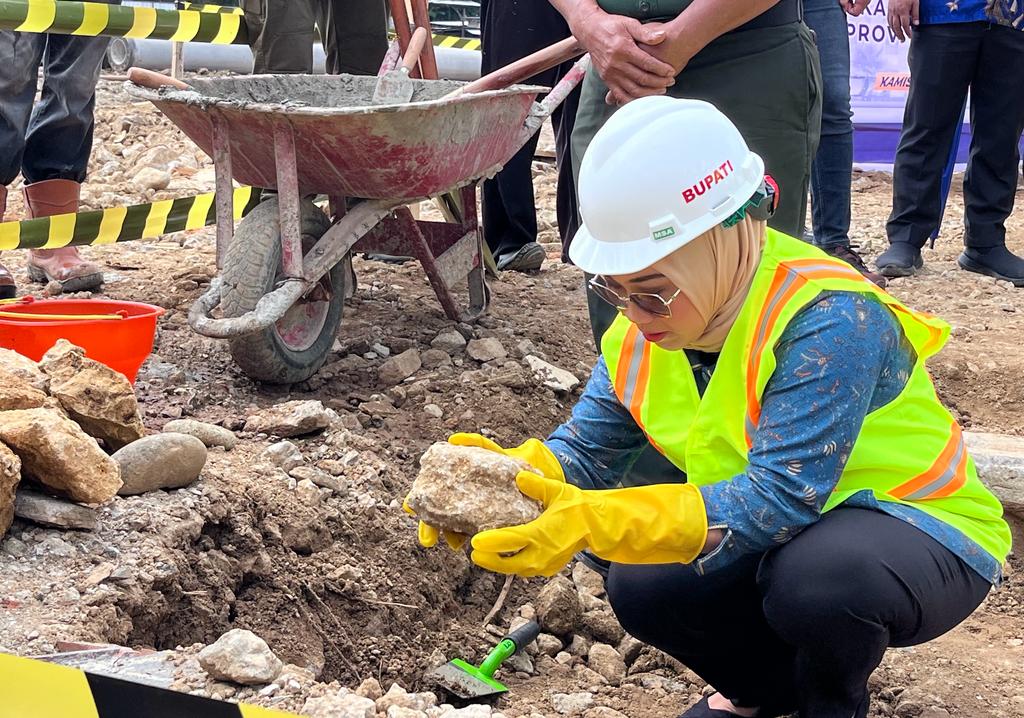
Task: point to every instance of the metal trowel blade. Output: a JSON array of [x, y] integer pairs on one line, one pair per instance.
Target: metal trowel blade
[[464, 680]]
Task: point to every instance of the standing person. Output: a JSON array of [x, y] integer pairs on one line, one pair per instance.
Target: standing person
[[510, 31], [974, 45], [753, 59], [831, 509], [833, 162], [48, 142], [281, 35]]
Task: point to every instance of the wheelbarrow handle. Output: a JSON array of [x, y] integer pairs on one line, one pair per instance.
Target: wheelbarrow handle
[[523, 69], [416, 45], [154, 80]]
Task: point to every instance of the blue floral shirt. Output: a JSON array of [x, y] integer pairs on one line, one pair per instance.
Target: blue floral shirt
[[1002, 12], [840, 358]]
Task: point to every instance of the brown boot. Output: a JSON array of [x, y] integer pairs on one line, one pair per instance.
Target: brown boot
[[7, 286], [64, 265], [849, 254]]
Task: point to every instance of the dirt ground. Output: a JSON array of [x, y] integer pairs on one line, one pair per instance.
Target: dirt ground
[[336, 583]]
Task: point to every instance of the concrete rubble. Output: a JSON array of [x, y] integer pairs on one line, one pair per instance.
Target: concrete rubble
[[466, 489]]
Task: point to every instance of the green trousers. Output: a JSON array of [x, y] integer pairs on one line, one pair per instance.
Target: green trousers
[[281, 35]]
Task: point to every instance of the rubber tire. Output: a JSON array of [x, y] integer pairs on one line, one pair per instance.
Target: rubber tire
[[251, 268]]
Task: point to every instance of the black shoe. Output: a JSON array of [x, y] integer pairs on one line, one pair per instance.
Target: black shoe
[[998, 262], [527, 258], [849, 254], [902, 259]]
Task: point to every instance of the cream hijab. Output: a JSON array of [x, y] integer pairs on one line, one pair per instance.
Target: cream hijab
[[714, 272]]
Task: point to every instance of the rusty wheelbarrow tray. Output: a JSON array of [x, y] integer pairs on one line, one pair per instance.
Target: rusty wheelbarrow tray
[[281, 284]]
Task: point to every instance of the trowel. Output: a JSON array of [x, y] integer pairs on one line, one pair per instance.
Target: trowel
[[394, 87], [467, 681]]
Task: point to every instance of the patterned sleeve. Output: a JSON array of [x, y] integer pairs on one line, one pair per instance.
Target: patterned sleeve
[[600, 441], [832, 359]]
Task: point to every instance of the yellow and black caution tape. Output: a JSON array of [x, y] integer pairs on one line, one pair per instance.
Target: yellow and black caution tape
[[36, 689], [199, 7], [92, 18], [121, 224], [198, 22]]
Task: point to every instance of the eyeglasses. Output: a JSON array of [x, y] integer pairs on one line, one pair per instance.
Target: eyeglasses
[[646, 301]]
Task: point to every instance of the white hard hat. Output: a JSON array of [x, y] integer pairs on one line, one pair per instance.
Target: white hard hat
[[658, 174]]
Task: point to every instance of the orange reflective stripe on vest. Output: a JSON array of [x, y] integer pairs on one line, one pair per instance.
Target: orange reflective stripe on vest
[[632, 376], [788, 280], [944, 477]]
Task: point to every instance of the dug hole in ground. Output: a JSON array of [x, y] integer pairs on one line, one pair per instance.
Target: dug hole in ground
[[305, 545]]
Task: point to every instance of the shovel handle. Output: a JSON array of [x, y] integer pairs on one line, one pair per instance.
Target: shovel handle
[[524, 635], [525, 68], [509, 646], [416, 45], [154, 80]]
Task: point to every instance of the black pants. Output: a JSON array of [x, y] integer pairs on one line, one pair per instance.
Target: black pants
[[946, 60], [510, 31], [804, 625]]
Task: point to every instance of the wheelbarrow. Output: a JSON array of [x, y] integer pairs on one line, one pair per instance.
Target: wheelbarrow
[[283, 273]]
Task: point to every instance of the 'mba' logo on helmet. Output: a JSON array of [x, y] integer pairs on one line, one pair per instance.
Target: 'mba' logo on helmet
[[709, 181]]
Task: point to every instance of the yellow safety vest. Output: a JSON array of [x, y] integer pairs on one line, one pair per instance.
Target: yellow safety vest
[[910, 451]]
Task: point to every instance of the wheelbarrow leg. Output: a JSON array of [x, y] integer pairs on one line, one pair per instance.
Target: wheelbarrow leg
[[224, 197], [479, 295], [288, 200], [417, 243]]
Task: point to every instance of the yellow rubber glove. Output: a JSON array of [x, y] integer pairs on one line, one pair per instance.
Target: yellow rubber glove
[[662, 523], [532, 451]]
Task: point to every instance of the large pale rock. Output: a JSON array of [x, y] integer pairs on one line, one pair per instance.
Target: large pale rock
[[399, 368], [487, 349], [603, 625], [467, 490], [55, 452], [242, 657], [17, 393], [607, 662], [571, 703], [1000, 462], [292, 418], [23, 367], [551, 376], [210, 434], [398, 696], [10, 475], [349, 705], [558, 607], [160, 461], [49, 511], [98, 398]]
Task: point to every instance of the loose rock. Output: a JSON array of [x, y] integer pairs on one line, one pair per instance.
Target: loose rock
[[10, 475], [55, 452], [21, 366], [242, 657], [606, 661], [603, 626], [467, 490], [485, 350], [210, 434], [548, 645], [551, 376], [349, 705], [399, 368], [152, 178], [285, 455], [98, 398], [370, 688], [450, 342], [571, 703], [433, 358], [161, 461], [292, 418], [629, 648], [603, 712], [49, 511], [587, 580], [17, 393], [558, 607], [398, 696], [433, 410]]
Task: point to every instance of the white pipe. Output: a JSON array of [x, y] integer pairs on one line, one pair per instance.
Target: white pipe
[[452, 63]]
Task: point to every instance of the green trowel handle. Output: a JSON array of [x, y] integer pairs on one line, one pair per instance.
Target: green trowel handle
[[509, 646]]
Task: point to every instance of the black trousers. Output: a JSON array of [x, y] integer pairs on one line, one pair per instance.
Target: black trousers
[[945, 61], [804, 625], [510, 31]]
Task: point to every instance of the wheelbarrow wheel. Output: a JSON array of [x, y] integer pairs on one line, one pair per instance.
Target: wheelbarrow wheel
[[298, 344]]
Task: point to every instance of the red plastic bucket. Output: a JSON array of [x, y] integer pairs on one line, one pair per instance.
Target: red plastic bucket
[[122, 344]]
